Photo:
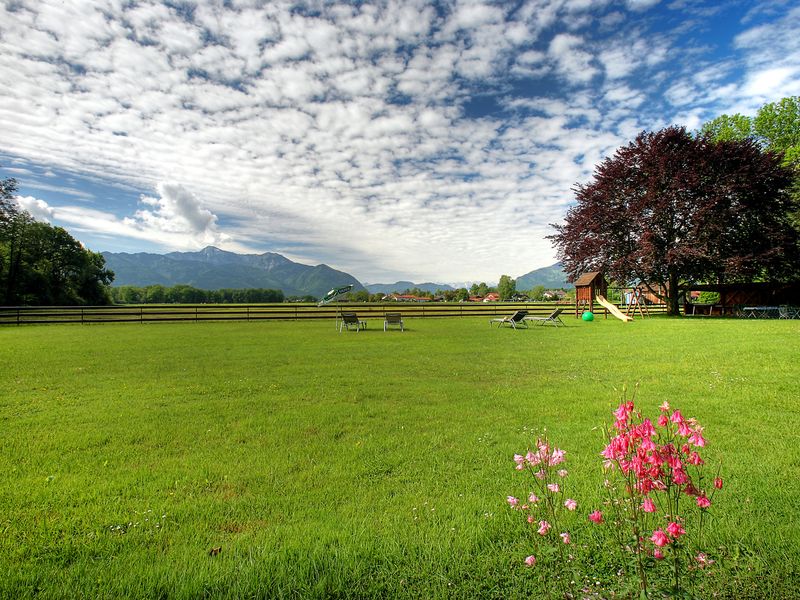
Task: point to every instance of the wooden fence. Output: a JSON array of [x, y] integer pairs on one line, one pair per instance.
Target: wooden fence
[[149, 313]]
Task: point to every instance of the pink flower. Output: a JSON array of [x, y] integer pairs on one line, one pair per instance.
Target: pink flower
[[697, 438], [557, 458], [683, 429], [553, 487], [659, 538], [531, 519], [570, 504], [703, 502], [694, 459], [530, 560], [520, 460], [675, 529], [718, 483], [648, 505], [679, 477], [663, 420], [512, 501], [596, 517], [664, 406], [533, 499], [703, 560], [544, 527], [658, 554], [562, 473], [540, 474], [676, 417], [565, 537], [533, 459]]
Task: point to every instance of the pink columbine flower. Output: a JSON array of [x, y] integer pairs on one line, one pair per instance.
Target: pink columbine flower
[[562, 473], [512, 501], [565, 537], [718, 483], [531, 519], [664, 406], [570, 504], [530, 560], [675, 529], [533, 498], [676, 417], [683, 429], [648, 505], [703, 502], [658, 554], [544, 527], [533, 459], [659, 538], [553, 487], [596, 517], [541, 474], [558, 457], [663, 420], [695, 459], [697, 438], [520, 460]]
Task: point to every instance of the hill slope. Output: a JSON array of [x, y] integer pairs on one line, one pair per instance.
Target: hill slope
[[212, 269], [550, 277]]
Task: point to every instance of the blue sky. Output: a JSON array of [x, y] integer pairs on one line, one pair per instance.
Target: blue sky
[[394, 140]]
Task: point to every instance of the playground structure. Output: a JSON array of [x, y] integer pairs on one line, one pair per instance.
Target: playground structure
[[593, 286]]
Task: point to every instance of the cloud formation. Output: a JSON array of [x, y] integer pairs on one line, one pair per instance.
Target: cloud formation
[[371, 137]]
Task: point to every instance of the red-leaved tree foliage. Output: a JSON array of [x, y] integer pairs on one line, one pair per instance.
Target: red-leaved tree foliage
[[669, 209]]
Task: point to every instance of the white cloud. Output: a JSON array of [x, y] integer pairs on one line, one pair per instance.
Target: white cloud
[[38, 209], [572, 61]]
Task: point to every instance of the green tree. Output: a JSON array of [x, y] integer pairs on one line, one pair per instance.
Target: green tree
[[537, 293], [670, 208], [726, 128], [507, 287]]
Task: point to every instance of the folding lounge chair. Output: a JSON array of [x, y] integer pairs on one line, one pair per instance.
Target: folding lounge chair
[[551, 318], [515, 320], [392, 319], [350, 319]]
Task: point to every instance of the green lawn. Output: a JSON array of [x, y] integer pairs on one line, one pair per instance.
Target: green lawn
[[367, 464]]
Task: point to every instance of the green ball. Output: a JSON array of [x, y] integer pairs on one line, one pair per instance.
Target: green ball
[[587, 316]]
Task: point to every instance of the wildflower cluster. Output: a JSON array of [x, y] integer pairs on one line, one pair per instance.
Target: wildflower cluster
[[545, 504], [660, 470], [657, 493]]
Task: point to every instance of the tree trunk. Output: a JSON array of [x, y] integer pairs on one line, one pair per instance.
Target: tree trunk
[[673, 308]]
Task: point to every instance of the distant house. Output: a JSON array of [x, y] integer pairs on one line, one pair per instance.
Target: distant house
[[554, 295], [492, 297], [476, 298], [406, 298], [520, 298]]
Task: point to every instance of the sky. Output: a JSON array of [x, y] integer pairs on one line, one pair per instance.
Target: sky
[[394, 140]]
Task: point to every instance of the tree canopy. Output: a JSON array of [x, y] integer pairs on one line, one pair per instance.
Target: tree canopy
[[41, 264], [670, 208]]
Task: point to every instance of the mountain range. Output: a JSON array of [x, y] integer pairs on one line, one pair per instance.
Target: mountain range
[[213, 269]]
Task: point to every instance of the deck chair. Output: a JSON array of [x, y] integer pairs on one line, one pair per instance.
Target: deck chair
[[392, 318], [350, 319], [551, 318], [515, 320]]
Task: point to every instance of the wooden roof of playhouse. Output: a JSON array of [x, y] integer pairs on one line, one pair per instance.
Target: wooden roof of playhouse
[[595, 277]]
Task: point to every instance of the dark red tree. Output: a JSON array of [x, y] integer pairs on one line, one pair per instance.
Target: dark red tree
[[670, 209]]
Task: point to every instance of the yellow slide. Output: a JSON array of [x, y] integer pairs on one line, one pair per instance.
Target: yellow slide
[[612, 309]]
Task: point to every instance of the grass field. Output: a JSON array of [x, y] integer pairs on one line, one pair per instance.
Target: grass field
[[367, 464]]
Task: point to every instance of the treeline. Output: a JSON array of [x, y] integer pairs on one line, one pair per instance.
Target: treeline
[[186, 294], [44, 265]]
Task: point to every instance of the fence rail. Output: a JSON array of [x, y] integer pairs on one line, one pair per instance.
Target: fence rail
[[149, 313]]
